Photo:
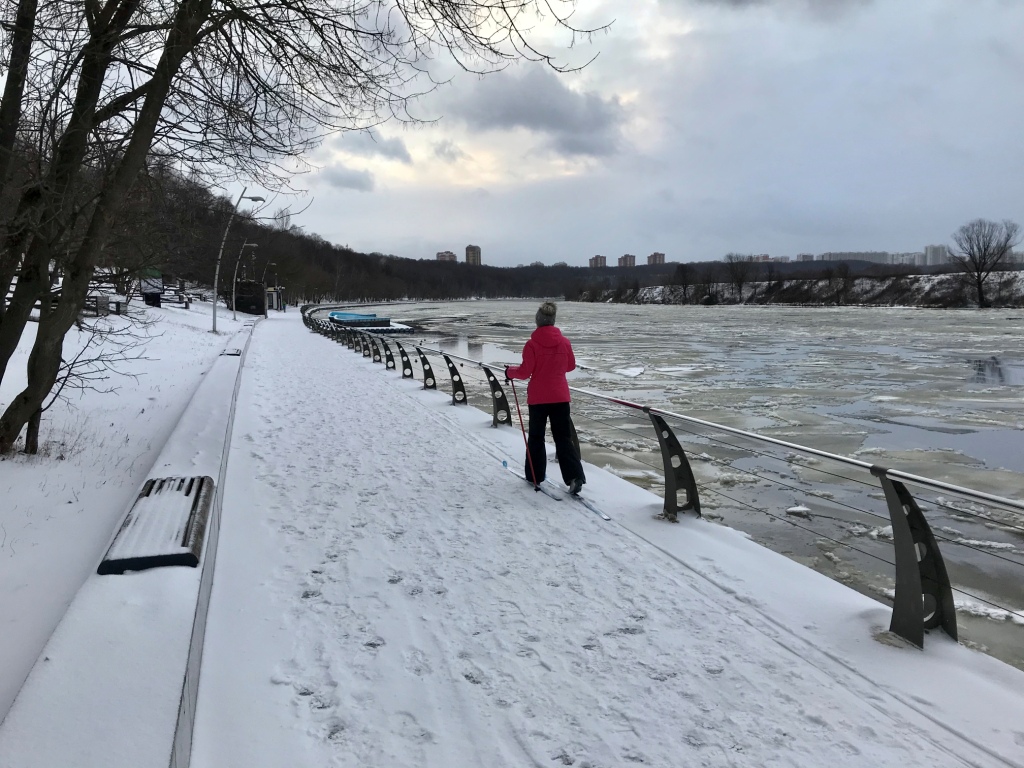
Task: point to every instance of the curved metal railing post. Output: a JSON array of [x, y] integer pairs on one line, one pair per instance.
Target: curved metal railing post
[[924, 596], [364, 342], [678, 475], [389, 359], [375, 356], [575, 439], [502, 414], [429, 379], [458, 387], [406, 362]]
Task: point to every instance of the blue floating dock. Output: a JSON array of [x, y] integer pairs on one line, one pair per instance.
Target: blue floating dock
[[368, 320]]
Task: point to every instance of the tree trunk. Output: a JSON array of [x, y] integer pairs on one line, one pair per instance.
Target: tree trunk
[[43, 367], [14, 88], [32, 282], [32, 432]]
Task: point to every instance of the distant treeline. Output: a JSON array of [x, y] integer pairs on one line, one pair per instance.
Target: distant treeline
[[814, 284]]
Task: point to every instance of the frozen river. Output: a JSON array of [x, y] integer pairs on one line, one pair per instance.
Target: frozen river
[[931, 392]]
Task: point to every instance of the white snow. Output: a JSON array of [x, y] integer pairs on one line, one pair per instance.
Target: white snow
[[386, 593]]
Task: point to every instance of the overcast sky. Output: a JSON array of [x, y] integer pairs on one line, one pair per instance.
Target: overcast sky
[[704, 127]]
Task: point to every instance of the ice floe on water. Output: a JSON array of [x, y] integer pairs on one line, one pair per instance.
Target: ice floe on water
[[631, 372]]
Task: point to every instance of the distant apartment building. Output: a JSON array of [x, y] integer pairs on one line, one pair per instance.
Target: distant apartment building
[[473, 254], [446, 256], [598, 261], [656, 258], [935, 255], [805, 257], [627, 260], [536, 263]]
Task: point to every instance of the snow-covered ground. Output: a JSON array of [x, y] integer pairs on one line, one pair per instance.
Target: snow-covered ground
[[386, 593]]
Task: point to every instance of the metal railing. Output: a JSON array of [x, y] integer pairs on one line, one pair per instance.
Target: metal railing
[[923, 596]]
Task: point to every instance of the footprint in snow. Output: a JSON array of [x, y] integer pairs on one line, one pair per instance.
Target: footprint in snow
[[417, 663]]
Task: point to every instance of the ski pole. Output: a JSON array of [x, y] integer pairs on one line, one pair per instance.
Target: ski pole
[[529, 458]]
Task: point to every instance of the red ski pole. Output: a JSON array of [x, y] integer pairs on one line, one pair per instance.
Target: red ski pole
[[529, 458]]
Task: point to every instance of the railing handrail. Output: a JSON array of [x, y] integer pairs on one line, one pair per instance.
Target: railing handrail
[[478, 363], [896, 474]]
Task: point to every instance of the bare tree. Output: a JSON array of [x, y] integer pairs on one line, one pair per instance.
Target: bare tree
[[103, 350], [846, 282], [738, 268], [683, 277], [981, 247], [221, 89]]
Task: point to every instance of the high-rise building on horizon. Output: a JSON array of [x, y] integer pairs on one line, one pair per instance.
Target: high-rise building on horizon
[[935, 255], [446, 256], [656, 258], [473, 254], [598, 261], [627, 260]]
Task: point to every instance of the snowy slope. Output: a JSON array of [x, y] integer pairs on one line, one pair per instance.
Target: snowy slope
[[388, 594]]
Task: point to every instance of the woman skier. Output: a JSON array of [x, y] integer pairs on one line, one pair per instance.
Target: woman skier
[[547, 357]]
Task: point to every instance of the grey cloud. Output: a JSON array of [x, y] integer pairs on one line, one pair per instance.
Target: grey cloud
[[368, 143], [448, 151], [538, 100], [341, 177], [806, 3], [824, 9]]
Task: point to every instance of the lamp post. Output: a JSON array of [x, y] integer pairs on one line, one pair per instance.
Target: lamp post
[[220, 253], [264, 278], [234, 280]]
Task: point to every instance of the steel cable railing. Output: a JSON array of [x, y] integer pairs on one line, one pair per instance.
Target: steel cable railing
[[923, 596]]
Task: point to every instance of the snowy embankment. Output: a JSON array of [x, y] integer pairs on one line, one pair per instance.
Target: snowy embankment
[[1004, 289], [388, 594], [61, 508]]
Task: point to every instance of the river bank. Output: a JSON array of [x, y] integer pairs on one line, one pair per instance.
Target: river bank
[[948, 291]]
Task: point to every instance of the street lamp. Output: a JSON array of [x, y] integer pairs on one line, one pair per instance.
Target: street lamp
[[216, 271], [264, 278], [234, 280]]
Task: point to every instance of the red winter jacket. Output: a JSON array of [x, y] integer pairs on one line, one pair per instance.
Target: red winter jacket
[[547, 357]]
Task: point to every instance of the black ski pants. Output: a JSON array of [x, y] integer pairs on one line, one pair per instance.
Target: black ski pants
[[561, 429]]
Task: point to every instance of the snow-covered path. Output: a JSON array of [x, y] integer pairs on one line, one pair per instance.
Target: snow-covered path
[[387, 595]]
